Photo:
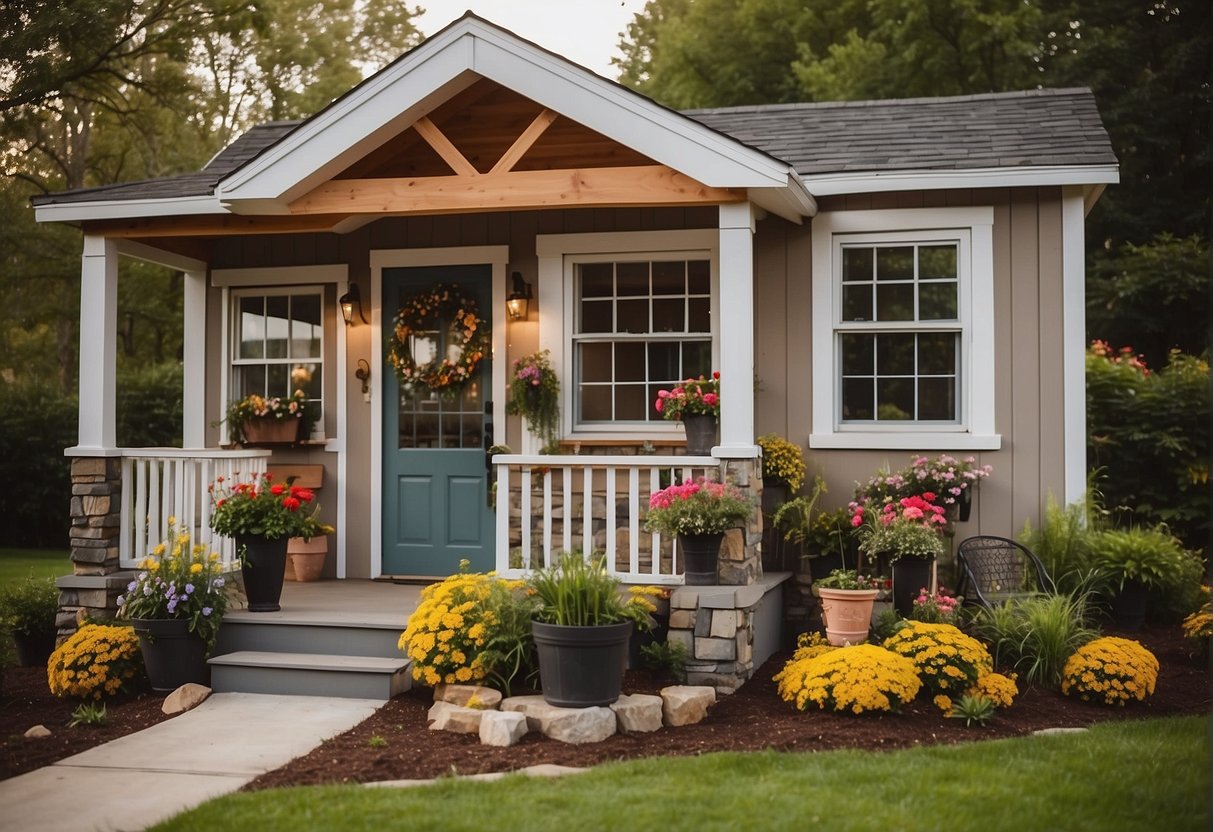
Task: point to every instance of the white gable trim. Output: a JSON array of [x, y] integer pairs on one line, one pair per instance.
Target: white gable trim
[[451, 61]]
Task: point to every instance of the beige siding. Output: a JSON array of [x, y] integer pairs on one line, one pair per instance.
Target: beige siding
[[1028, 369]]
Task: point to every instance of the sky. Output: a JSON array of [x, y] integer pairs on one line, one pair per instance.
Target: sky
[[584, 31]]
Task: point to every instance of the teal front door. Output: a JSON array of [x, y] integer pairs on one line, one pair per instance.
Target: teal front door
[[435, 483]]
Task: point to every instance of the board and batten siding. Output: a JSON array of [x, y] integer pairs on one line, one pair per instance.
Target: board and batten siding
[[1028, 367]]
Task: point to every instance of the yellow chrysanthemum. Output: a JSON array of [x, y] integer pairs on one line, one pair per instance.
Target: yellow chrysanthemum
[[1111, 669]]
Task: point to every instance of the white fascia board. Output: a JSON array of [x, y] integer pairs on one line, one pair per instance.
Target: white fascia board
[[122, 209], [793, 203], [865, 182]]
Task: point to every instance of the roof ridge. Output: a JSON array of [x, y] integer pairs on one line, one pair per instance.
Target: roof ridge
[[890, 102]]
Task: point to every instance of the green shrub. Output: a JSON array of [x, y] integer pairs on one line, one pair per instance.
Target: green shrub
[[1037, 635], [1154, 558], [1149, 433], [36, 423], [29, 606], [1063, 541]]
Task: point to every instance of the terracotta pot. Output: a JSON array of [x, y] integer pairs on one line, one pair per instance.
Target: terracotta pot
[[305, 558], [847, 614]]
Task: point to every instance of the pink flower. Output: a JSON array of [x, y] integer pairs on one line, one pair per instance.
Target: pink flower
[[711, 399]]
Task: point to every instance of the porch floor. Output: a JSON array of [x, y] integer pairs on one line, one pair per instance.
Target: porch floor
[[348, 602]]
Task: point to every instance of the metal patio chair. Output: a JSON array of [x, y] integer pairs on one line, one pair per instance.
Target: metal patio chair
[[995, 570]]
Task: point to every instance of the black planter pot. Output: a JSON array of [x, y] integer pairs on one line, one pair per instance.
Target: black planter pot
[[581, 667], [263, 567], [643, 638], [172, 654], [701, 433], [965, 502], [910, 575], [1128, 606], [700, 557], [33, 649]]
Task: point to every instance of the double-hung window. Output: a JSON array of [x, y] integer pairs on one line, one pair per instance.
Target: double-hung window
[[278, 343], [641, 324], [903, 329], [638, 315]]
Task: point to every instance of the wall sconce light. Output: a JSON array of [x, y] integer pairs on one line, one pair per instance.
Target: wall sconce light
[[518, 301], [348, 301]]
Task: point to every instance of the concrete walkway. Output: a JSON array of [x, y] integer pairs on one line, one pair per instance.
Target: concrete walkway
[[149, 776]]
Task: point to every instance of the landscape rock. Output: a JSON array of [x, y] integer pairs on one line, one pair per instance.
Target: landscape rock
[[185, 698], [686, 704], [38, 732], [638, 712], [502, 728], [571, 725], [469, 696], [443, 716]]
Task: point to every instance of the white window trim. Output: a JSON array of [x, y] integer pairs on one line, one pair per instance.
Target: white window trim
[[557, 255], [976, 431], [339, 275]]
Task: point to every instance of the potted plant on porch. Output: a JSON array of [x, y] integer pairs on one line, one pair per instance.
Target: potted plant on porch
[[698, 512], [847, 599], [260, 420], [176, 602], [535, 395], [909, 532], [262, 516], [581, 629], [696, 403]]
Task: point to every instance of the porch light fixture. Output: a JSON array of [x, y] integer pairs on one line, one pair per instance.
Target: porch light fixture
[[518, 301], [348, 301]]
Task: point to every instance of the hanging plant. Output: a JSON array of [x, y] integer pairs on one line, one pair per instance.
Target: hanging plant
[[443, 306], [535, 394]]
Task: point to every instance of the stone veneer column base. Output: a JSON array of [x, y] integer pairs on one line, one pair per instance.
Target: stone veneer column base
[[92, 589], [728, 631]]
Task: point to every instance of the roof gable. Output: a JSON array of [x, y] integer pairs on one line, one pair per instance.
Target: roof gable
[[447, 66]]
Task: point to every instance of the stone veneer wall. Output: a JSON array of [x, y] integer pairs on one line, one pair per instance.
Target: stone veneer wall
[[729, 631], [91, 591]]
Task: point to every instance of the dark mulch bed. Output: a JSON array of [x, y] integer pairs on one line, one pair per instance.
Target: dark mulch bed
[[754, 718]]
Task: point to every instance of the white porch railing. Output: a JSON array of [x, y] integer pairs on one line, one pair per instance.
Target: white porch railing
[[158, 483], [550, 504]]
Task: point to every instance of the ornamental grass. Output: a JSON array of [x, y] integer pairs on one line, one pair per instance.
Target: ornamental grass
[[947, 660], [854, 679], [98, 660], [1111, 669], [469, 629]]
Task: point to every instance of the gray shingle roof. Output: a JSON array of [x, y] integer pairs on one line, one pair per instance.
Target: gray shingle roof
[[998, 130], [1034, 128]]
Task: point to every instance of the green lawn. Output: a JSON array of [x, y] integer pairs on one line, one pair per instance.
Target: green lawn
[[1149, 775], [18, 564]]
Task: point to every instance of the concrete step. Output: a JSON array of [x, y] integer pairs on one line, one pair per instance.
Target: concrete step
[[240, 633], [310, 674]]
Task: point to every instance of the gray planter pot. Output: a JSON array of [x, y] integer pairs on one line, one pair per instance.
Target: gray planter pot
[[581, 667]]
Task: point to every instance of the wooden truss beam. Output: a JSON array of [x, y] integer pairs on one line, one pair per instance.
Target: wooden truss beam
[[513, 190]]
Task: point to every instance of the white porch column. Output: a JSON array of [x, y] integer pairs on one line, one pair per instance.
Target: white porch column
[[736, 327], [193, 427], [98, 334]]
